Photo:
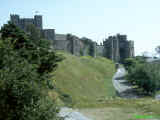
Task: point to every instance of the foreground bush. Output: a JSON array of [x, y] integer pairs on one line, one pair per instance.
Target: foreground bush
[[25, 68]]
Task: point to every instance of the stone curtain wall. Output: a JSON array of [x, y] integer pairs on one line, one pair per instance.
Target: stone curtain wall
[[116, 48], [48, 34], [62, 45], [68, 43], [99, 50]]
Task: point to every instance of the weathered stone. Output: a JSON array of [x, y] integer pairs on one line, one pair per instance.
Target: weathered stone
[[118, 48], [69, 43], [24, 22]]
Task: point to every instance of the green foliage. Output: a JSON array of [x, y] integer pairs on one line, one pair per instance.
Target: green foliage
[[24, 77], [129, 62], [140, 59], [145, 76], [81, 52], [34, 33], [17, 36], [90, 44], [92, 49]]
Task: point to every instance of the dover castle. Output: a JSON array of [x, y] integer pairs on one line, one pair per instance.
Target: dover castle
[[116, 48]]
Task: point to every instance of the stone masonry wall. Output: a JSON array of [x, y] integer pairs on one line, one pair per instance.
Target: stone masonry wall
[[118, 48]]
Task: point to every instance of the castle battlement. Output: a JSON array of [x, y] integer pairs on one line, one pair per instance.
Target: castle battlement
[[24, 22], [116, 47]]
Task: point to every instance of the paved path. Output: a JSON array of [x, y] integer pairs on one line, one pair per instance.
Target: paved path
[[71, 114], [123, 88], [118, 81]]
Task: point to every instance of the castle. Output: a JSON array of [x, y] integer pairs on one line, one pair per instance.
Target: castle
[[116, 48], [68, 42]]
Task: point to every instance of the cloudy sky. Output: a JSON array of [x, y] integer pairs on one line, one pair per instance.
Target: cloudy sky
[[95, 19]]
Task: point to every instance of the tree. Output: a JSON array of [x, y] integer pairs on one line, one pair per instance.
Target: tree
[[145, 76], [92, 49], [90, 44], [129, 62], [25, 77], [34, 33]]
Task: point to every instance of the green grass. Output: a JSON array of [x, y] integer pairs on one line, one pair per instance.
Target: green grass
[[85, 79], [123, 109], [89, 83]]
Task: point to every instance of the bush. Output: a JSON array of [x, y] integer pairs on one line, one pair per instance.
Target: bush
[[145, 76], [129, 62], [24, 77]]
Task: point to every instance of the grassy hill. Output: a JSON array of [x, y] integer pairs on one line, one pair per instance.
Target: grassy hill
[[84, 79], [88, 82]]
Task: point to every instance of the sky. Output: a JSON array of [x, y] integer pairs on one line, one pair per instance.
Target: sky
[[95, 19]]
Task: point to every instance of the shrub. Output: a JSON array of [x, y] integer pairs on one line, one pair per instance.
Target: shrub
[[129, 62], [145, 76], [24, 77]]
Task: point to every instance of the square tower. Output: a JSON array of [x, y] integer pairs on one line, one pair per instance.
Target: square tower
[[15, 19], [38, 21]]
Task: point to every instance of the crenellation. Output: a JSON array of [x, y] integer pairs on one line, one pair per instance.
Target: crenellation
[[38, 21], [49, 34], [24, 22], [116, 48]]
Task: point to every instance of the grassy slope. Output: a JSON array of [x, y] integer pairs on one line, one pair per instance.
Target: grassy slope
[[85, 79]]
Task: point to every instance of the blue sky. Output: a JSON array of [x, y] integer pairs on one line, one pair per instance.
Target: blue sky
[[95, 19]]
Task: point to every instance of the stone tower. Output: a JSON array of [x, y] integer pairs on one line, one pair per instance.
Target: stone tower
[[38, 21], [24, 22], [15, 19], [118, 48]]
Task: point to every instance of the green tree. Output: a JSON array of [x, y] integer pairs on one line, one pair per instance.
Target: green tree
[[145, 76], [25, 78], [34, 33], [92, 49], [90, 44], [129, 62]]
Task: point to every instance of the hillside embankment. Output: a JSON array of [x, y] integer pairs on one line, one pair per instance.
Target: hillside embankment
[[85, 80]]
